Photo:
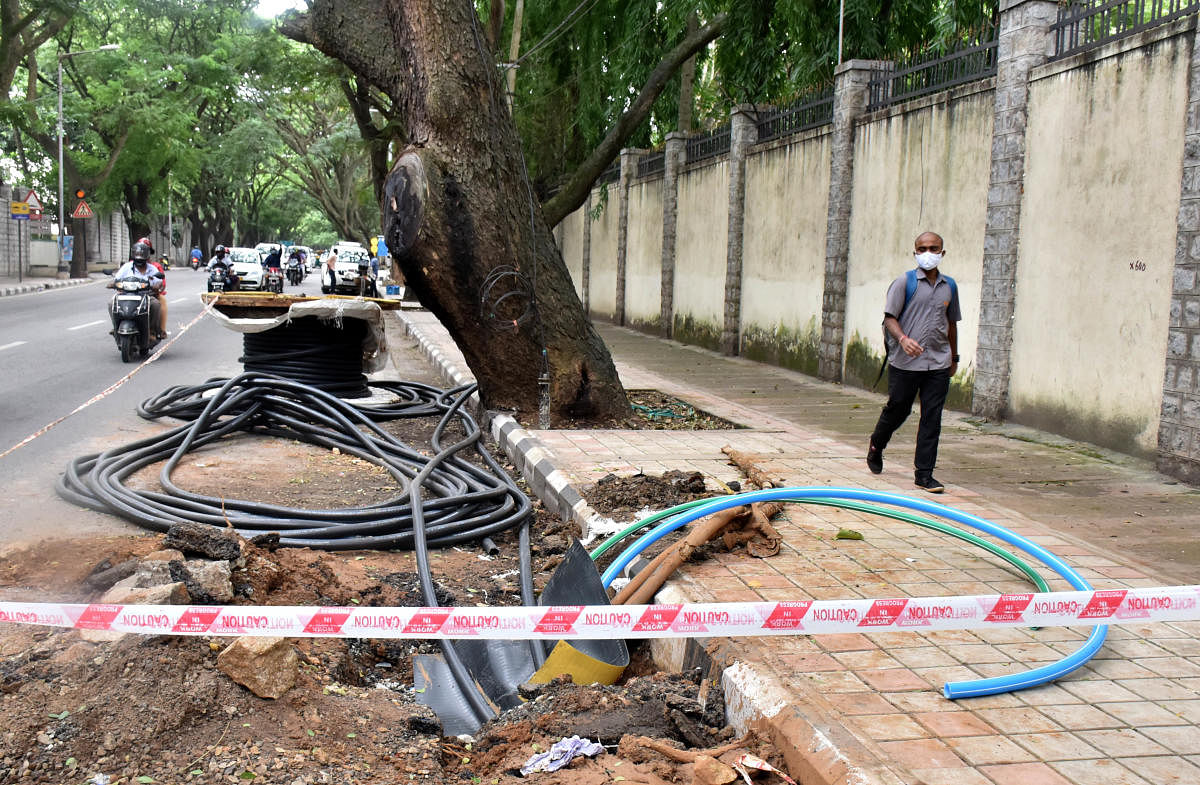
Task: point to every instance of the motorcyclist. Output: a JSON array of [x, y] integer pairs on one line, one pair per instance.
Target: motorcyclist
[[161, 294], [197, 256], [296, 259], [273, 258], [221, 258], [139, 268]]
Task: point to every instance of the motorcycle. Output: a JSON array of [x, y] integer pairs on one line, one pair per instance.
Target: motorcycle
[[273, 280], [295, 272], [195, 263], [130, 311], [165, 263], [219, 280]]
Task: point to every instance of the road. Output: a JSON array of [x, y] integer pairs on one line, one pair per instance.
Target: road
[[55, 355]]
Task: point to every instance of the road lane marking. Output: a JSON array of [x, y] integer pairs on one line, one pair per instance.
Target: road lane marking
[[89, 324], [176, 300], [11, 345]]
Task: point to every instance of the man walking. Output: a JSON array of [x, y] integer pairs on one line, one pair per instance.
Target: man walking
[[920, 315]]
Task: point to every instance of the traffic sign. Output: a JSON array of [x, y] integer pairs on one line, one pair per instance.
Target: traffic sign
[[82, 210], [19, 211], [35, 204]]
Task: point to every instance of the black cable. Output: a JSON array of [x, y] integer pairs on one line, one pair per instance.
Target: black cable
[[321, 353], [466, 501]]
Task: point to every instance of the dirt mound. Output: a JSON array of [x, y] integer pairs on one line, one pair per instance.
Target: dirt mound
[[622, 497]]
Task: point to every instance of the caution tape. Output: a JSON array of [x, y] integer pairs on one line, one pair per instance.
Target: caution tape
[[112, 387], [805, 617]]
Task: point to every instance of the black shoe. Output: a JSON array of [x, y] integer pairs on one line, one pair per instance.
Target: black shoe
[[928, 483], [874, 459]]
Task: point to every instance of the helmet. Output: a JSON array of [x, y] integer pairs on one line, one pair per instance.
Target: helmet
[[146, 241], [141, 252], [219, 250]]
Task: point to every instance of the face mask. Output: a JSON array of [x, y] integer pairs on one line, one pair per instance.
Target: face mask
[[928, 260]]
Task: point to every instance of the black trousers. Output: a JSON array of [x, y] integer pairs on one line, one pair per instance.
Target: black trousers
[[903, 389]]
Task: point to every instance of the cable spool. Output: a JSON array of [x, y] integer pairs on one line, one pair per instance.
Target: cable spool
[[320, 353]]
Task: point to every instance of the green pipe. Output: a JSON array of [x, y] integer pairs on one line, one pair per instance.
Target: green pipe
[[846, 504]]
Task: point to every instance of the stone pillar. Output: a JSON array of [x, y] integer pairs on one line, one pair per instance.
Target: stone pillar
[[8, 244], [1179, 420], [629, 161], [743, 133], [674, 157], [850, 94], [1025, 42], [585, 262]]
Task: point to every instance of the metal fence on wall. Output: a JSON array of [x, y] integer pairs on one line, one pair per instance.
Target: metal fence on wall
[[926, 73], [708, 145], [811, 111], [1087, 24], [652, 163]]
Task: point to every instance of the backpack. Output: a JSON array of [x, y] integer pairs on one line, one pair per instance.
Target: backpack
[[910, 288]]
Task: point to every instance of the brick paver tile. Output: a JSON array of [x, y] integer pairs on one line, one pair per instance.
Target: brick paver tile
[[1141, 713], [893, 680], [1047, 695], [1171, 667], [1188, 709], [1022, 720], [982, 750], [1168, 770], [915, 702], [1097, 690], [1157, 689], [921, 754], [922, 657], [1124, 742], [1183, 647], [854, 703], [1116, 669], [844, 642], [978, 653], [1024, 774], [1097, 772], [866, 660], [947, 724], [810, 663], [1056, 746], [1079, 716], [1180, 739], [835, 681], [890, 727], [951, 776]]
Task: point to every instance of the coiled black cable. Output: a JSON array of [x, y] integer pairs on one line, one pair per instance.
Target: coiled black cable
[[319, 352], [466, 501]]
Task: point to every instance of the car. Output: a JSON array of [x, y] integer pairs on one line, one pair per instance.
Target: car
[[350, 259], [247, 265]]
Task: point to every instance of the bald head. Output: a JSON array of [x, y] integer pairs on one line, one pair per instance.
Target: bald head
[[928, 241]]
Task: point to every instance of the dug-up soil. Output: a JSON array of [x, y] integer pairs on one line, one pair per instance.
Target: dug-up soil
[[157, 709]]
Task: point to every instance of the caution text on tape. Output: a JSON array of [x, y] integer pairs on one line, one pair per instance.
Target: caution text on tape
[[804, 617]]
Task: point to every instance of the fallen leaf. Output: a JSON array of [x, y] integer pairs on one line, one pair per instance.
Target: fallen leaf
[[849, 534]]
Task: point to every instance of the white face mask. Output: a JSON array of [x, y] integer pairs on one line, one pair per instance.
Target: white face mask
[[928, 260]]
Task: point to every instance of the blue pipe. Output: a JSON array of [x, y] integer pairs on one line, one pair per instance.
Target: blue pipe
[[953, 690]]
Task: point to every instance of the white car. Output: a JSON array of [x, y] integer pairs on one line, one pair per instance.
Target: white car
[[247, 265], [346, 272]]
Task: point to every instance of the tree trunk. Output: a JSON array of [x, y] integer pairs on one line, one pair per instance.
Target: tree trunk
[[459, 213]]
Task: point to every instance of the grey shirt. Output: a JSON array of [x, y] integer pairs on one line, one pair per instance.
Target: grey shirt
[[926, 320]]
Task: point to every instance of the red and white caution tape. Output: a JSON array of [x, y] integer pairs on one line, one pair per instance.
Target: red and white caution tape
[[806, 617], [112, 387]]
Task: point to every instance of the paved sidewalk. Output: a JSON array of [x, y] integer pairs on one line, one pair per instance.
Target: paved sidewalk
[[10, 285], [868, 708]]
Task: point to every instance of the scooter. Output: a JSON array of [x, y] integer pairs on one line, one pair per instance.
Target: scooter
[[195, 263], [130, 311], [295, 272], [273, 280]]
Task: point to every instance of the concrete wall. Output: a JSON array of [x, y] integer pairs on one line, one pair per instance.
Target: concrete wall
[[603, 287], [570, 243], [783, 262], [1103, 166], [643, 265], [700, 248], [919, 167]]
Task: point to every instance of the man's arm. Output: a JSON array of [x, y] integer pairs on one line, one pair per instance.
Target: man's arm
[[952, 335], [910, 347]]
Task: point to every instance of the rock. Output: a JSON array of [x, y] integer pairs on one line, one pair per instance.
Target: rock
[[710, 771], [208, 582], [202, 540], [162, 594], [148, 574], [166, 554], [105, 576], [265, 666]]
